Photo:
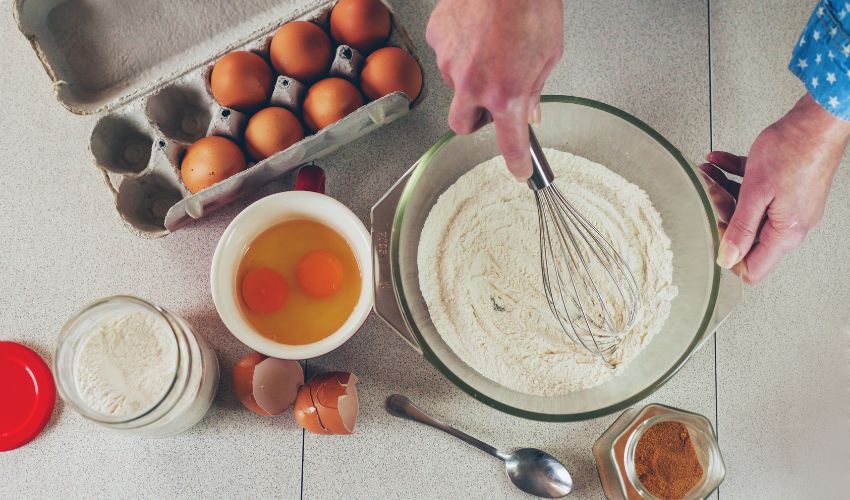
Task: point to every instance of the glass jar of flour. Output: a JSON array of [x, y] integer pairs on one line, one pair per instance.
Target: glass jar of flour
[[134, 367]]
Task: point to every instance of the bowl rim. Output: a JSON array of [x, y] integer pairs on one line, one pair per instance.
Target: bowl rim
[[428, 353], [272, 208]]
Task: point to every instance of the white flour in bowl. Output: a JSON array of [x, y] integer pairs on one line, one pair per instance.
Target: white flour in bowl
[[479, 272], [126, 364]]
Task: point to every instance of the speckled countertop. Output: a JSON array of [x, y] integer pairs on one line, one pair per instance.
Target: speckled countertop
[[775, 381]]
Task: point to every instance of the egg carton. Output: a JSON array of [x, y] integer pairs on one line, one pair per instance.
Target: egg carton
[[143, 68]]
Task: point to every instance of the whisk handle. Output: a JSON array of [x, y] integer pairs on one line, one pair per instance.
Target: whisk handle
[[541, 172]]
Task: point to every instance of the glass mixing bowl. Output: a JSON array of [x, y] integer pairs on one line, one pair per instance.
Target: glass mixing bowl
[[633, 150]]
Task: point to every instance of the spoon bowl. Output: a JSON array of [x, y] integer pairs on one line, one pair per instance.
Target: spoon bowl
[[538, 473]]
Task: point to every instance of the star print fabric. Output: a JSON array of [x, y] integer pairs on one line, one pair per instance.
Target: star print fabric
[[821, 58]]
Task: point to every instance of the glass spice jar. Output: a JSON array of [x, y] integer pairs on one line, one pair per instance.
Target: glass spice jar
[[614, 452], [194, 377]]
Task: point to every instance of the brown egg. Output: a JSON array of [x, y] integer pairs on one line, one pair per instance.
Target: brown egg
[[389, 70], [328, 404], [267, 386], [271, 130], [362, 24], [242, 81], [210, 160], [328, 101], [302, 50]]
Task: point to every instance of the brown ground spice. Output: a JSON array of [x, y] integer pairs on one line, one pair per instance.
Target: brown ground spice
[[666, 462]]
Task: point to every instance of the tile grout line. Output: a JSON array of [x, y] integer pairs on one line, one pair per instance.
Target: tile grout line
[[711, 148], [303, 432], [303, 439]]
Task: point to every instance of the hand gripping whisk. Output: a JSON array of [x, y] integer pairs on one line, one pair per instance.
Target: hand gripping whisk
[[590, 289]]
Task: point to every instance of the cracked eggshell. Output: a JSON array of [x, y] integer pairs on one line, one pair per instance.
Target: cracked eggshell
[[267, 386], [305, 412], [243, 381], [328, 404]]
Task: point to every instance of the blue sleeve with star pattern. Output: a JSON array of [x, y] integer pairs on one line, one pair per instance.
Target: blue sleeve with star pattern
[[821, 58]]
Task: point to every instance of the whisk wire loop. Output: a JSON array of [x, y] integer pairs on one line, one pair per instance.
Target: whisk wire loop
[[575, 257], [611, 256]]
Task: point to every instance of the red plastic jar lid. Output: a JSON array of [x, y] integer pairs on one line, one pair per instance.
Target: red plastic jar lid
[[27, 395]]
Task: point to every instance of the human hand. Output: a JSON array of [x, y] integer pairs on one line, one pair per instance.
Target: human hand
[[786, 181], [496, 55]]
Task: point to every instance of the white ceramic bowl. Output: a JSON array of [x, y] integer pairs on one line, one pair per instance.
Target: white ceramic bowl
[[250, 223]]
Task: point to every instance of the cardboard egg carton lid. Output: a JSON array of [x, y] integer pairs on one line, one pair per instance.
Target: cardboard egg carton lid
[[101, 54], [143, 67]]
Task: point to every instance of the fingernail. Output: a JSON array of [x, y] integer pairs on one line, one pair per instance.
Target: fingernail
[[727, 255], [536, 115]]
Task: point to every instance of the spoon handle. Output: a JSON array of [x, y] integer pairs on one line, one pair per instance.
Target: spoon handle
[[399, 406]]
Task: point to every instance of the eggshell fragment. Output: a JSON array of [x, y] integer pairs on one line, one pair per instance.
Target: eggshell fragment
[[243, 382], [276, 383], [305, 412], [335, 395], [328, 404], [267, 386]]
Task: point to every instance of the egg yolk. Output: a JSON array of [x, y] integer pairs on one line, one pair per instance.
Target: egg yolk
[[320, 274], [264, 291]]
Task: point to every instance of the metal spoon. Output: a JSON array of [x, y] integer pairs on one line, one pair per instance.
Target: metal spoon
[[531, 470]]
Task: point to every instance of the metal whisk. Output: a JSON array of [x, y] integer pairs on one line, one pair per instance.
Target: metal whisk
[[590, 288]]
